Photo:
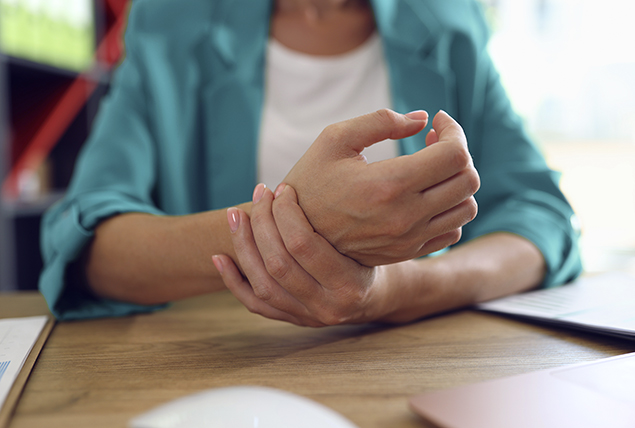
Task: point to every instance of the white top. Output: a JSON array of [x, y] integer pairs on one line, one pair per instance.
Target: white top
[[305, 93]]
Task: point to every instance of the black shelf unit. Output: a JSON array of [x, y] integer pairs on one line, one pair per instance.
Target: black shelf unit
[[28, 93]]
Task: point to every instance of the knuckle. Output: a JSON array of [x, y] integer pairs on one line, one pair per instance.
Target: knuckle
[[331, 318], [455, 236], [299, 246], [399, 226], [334, 131], [277, 266], [460, 157], [383, 193], [472, 208], [387, 116], [347, 307], [474, 180], [264, 293]]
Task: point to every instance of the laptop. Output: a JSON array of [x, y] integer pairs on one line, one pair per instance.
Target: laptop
[[602, 303], [596, 394]]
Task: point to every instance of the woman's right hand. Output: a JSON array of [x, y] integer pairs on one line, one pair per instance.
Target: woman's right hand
[[393, 210]]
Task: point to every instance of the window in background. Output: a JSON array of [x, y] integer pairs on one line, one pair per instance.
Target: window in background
[[55, 32], [569, 68]]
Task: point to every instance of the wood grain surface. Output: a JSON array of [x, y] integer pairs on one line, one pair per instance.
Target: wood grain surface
[[101, 373]]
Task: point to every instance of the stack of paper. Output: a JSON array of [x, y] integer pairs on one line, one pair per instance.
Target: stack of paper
[[603, 303], [17, 337]]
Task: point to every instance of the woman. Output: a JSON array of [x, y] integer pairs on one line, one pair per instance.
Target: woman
[[206, 92]]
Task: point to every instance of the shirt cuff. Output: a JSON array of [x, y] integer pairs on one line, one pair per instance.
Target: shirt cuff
[[66, 229], [554, 236]]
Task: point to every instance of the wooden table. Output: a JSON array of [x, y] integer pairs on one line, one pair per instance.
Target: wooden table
[[101, 373]]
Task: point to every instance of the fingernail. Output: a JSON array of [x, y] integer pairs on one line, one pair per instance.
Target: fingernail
[[233, 218], [218, 262], [417, 115], [279, 190], [258, 192]]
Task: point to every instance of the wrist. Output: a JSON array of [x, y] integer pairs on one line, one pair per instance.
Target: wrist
[[409, 290]]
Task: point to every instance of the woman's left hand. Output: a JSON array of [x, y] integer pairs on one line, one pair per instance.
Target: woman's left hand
[[294, 274]]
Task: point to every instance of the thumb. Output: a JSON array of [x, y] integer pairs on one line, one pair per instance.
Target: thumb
[[354, 135], [448, 129]]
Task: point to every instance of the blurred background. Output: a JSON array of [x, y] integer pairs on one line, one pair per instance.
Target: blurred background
[[568, 66], [56, 58]]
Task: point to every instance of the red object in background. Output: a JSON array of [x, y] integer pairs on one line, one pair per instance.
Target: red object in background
[[112, 51], [108, 52]]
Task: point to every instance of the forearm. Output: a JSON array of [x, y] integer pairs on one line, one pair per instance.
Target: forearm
[[148, 259], [489, 267]]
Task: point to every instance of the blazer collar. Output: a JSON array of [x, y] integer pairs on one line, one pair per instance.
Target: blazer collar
[[407, 24], [239, 26]]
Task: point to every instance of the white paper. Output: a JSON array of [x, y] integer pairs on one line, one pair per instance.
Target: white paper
[[603, 303], [17, 337]]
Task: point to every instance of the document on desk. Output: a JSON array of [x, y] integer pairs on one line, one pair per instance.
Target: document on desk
[[17, 338], [604, 303]]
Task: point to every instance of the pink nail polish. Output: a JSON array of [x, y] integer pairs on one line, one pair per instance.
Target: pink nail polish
[[279, 190], [417, 115], [258, 192], [218, 262], [233, 218]]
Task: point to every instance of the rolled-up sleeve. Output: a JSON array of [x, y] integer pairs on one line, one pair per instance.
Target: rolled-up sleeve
[[115, 174], [519, 193]]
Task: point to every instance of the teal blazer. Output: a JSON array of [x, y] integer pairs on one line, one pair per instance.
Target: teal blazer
[[177, 133]]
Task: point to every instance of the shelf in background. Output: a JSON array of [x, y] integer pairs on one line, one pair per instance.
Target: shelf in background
[[30, 207], [46, 112], [98, 73]]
